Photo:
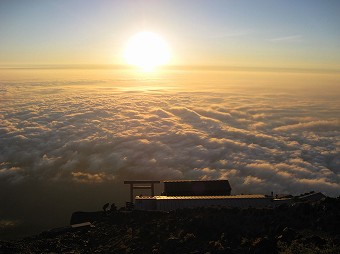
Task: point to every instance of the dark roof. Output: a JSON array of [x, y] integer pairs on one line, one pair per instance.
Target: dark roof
[[178, 181], [197, 188]]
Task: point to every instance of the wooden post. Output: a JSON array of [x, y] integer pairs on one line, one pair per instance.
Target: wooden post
[[152, 190], [131, 192]]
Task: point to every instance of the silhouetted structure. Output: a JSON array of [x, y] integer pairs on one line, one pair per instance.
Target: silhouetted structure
[[197, 188], [137, 185], [179, 194], [167, 203]]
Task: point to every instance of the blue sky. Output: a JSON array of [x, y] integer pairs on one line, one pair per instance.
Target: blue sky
[[259, 32]]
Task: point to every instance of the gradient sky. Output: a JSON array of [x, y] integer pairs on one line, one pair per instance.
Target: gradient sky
[[252, 33]]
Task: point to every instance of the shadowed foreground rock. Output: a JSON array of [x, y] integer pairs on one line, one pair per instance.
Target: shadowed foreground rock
[[80, 217], [302, 228]]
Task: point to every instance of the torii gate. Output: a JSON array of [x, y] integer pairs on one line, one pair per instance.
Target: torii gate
[[149, 185]]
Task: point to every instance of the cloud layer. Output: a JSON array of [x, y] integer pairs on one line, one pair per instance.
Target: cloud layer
[[79, 134], [263, 141]]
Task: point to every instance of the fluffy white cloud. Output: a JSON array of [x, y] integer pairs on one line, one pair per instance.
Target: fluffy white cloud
[[63, 132], [80, 134]]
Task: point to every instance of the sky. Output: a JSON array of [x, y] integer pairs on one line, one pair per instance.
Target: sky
[[261, 33]]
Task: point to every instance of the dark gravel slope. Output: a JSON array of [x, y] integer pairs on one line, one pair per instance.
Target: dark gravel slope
[[301, 228]]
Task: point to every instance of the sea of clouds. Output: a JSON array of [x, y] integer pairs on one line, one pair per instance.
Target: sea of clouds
[[84, 136]]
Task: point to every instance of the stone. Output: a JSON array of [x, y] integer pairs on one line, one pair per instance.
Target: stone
[[81, 217], [264, 245], [287, 235]]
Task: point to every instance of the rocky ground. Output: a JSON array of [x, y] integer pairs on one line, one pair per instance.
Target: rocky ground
[[300, 228]]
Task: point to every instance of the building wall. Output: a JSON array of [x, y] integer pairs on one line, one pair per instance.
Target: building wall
[[146, 204], [167, 204]]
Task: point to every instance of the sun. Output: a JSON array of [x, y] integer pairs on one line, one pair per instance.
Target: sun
[[147, 50]]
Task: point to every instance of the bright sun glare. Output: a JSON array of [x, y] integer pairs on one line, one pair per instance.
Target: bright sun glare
[[147, 50]]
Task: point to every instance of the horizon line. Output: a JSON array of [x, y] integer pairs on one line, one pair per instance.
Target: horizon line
[[172, 67]]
